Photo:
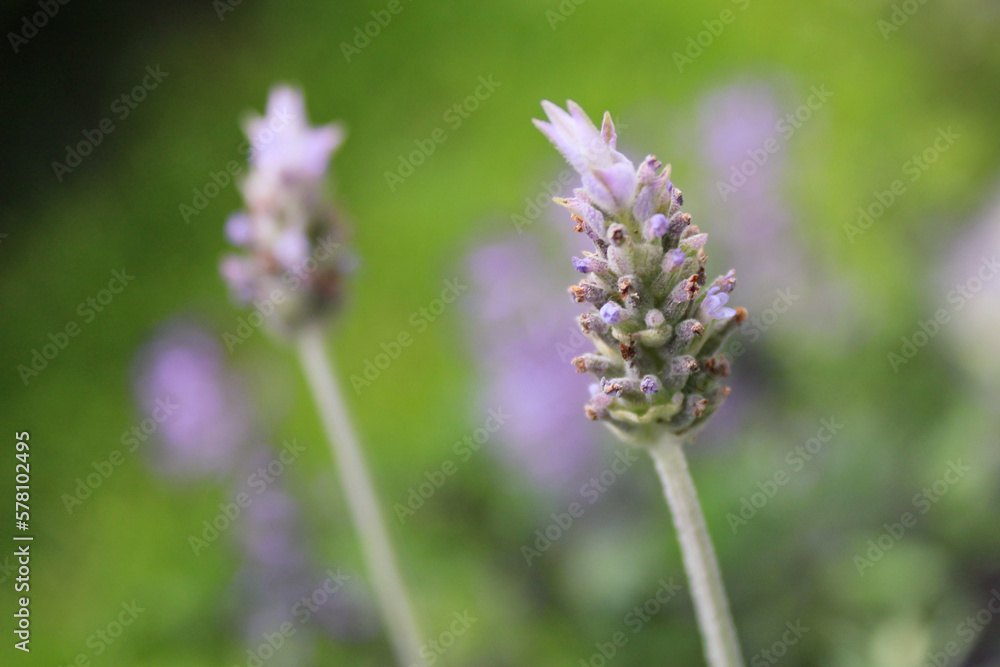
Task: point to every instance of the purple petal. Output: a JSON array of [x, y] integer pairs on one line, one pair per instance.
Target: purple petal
[[714, 303], [591, 217], [695, 242], [608, 130], [673, 260], [647, 170], [239, 229], [612, 313], [291, 249], [650, 385], [613, 188], [656, 226]]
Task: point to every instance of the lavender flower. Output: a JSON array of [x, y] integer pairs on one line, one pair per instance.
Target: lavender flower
[[210, 421], [969, 269], [735, 122], [656, 349], [714, 304], [293, 260], [520, 332]]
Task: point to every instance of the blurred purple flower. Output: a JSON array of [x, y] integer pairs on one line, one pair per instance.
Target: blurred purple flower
[[279, 583], [764, 242], [285, 144], [287, 228], [211, 433], [205, 433], [525, 341], [290, 158], [970, 272], [736, 121]]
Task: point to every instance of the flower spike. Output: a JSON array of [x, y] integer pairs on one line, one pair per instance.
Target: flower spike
[[653, 315], [292, 264]]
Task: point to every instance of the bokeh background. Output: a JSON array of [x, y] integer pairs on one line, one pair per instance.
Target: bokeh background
[[884, 80]]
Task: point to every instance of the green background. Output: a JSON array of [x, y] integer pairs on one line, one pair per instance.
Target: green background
[[120, 208]]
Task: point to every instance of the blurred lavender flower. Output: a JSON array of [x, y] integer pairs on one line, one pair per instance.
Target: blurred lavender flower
[[293, 271], [970, 271], [523, 341], [763, 243], [655, 331], [210, 433], [736, 121], [279, 582], [291, 235], [205, 433]]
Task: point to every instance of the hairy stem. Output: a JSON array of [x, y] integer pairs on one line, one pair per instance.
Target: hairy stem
[[722, 648]]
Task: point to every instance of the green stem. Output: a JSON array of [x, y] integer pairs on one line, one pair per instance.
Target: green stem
[[722, 648], [390, 592]]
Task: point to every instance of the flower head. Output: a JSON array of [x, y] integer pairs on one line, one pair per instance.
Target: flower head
[[293, 260], [657, 329]]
